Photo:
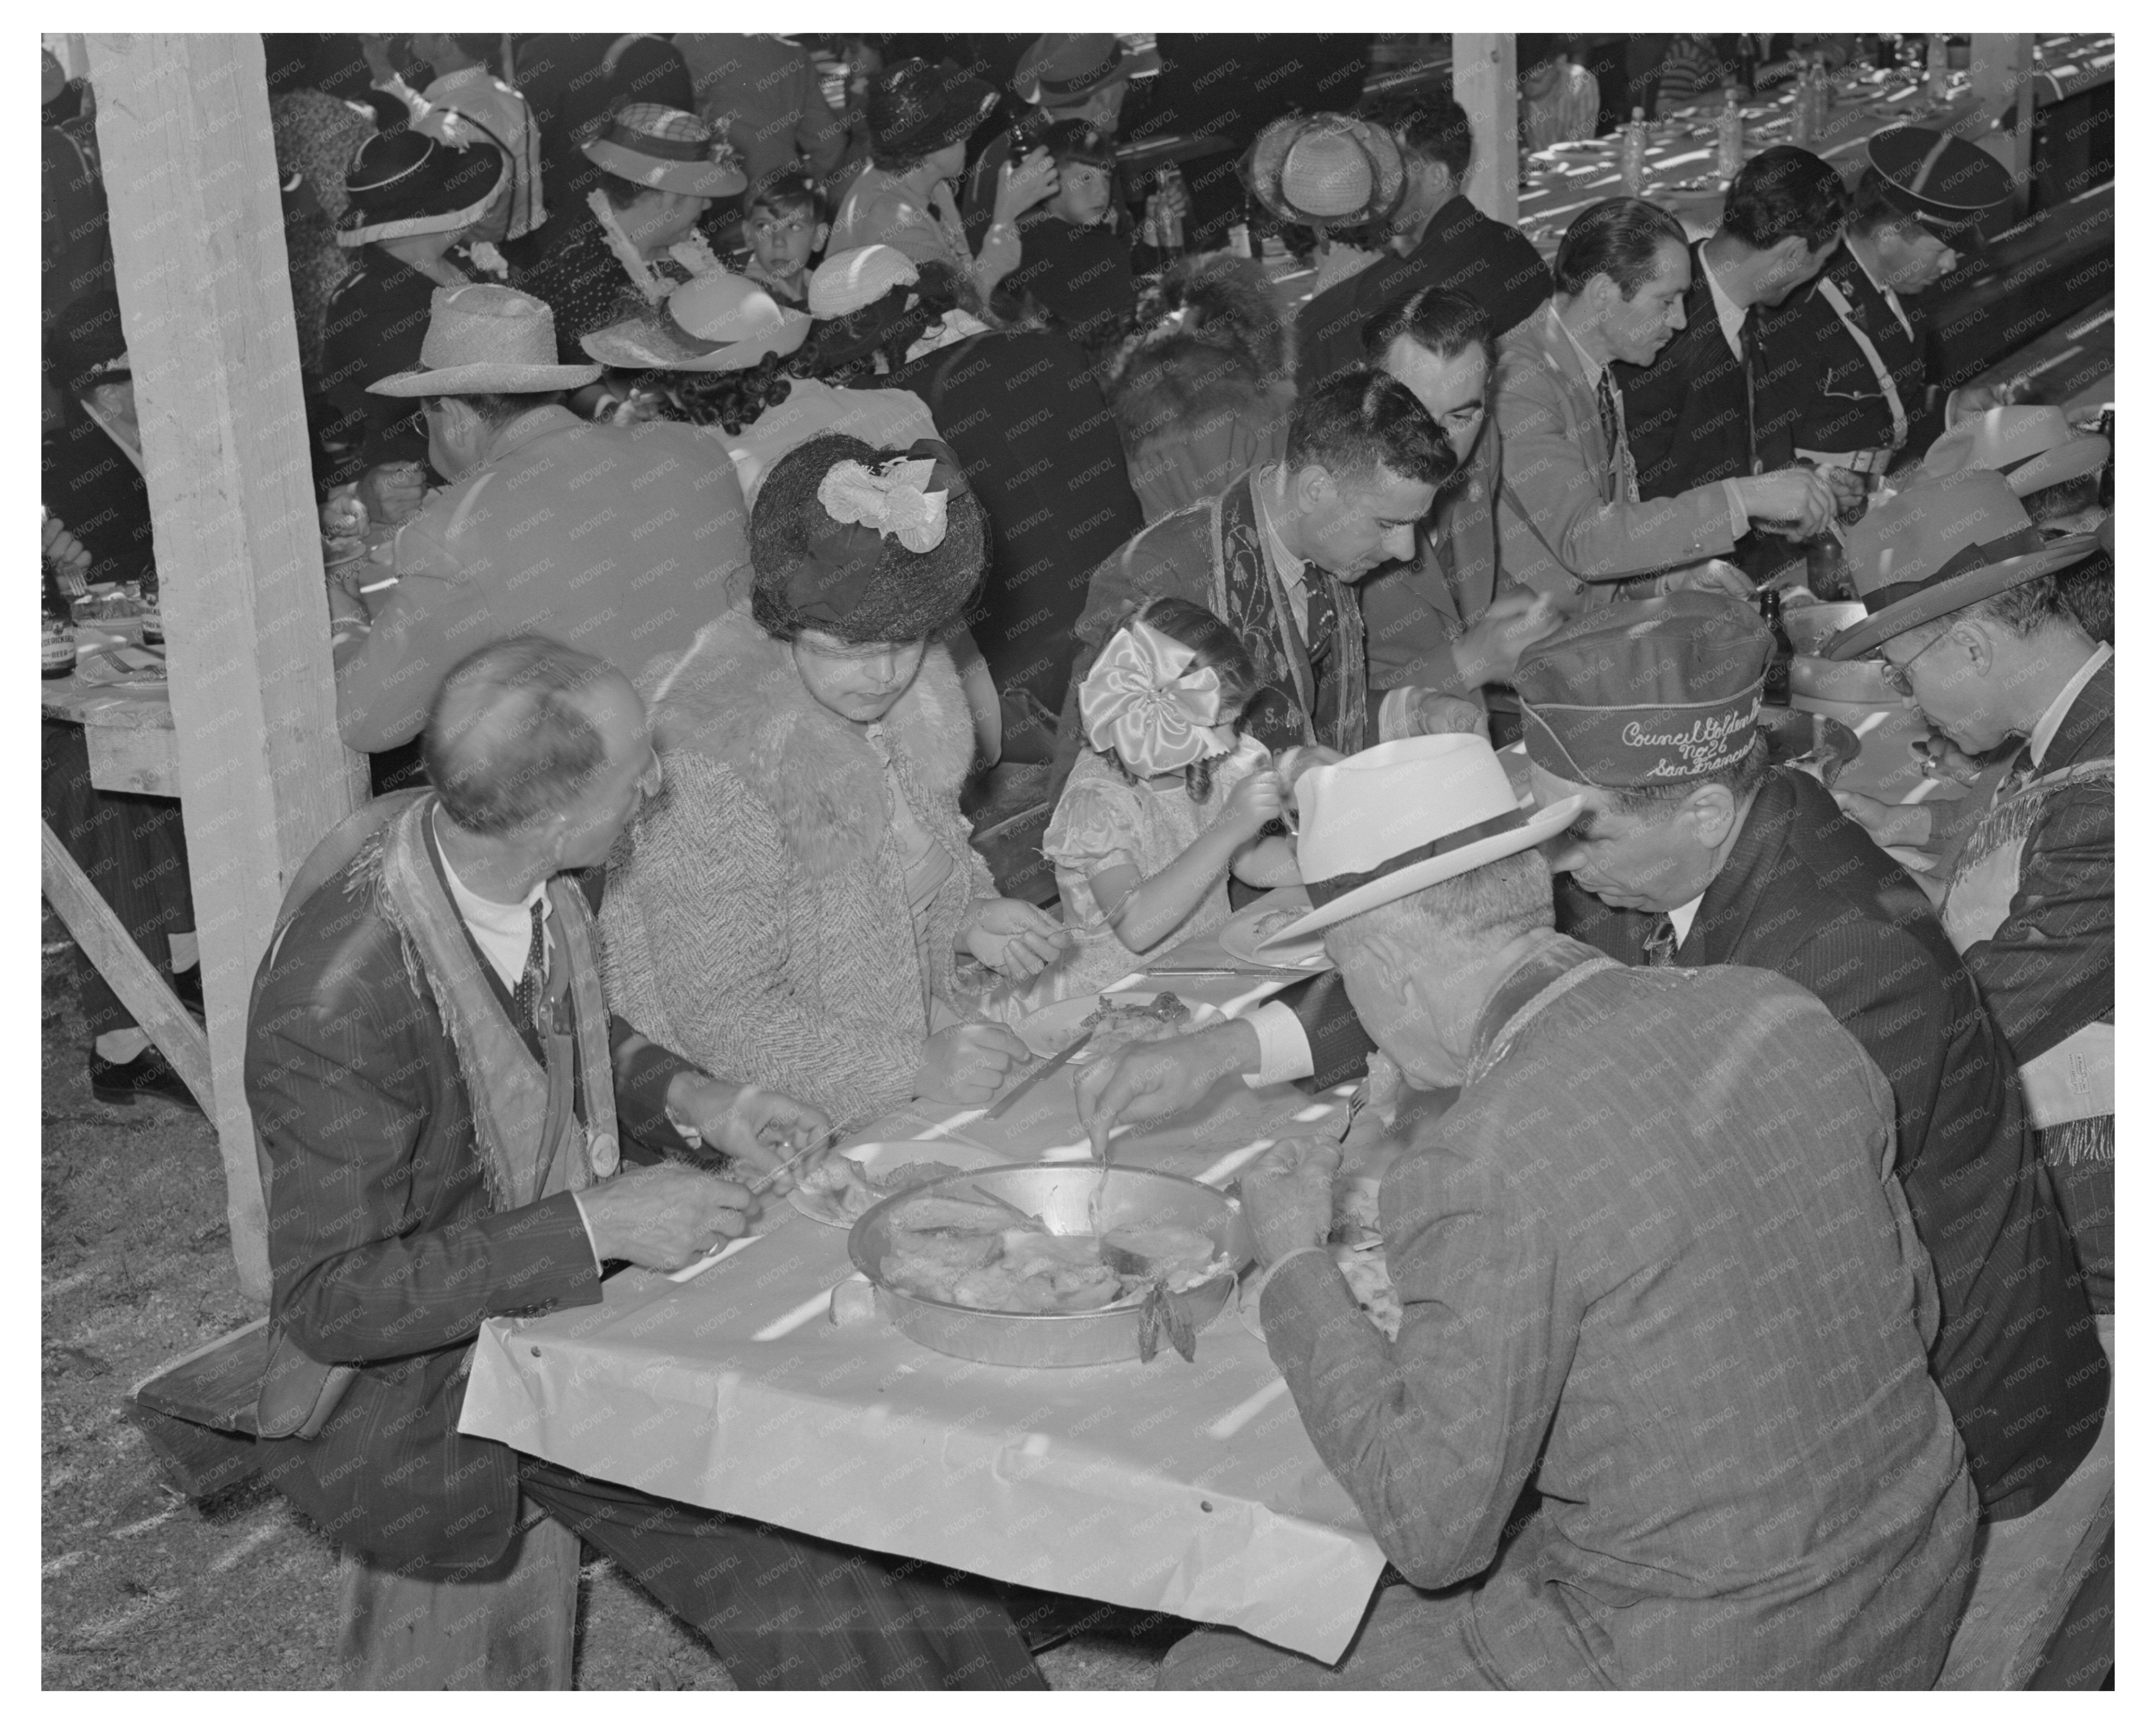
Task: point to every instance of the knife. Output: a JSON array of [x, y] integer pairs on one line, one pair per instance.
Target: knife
[[1003, 1102]]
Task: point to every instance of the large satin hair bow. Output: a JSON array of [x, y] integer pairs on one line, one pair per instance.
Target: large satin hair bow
[[894, 499], [1147, 700]]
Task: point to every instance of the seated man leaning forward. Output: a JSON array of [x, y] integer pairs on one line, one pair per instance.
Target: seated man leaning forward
[[615, 540], [419, 1062], [802, 906], [1654, 1262]]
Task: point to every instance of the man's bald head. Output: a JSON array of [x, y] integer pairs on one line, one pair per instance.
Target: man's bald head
[[514, 735]]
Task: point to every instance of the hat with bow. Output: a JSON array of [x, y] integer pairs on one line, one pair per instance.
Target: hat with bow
[[864, 544], [666, 149]]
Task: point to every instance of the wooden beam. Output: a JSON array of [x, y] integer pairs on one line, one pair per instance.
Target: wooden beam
[[2001, 77], [1486, 82], [198, 243], [106, 943]]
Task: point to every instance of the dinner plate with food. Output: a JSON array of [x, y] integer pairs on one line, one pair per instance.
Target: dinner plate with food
[[1247, 935], [845, 1185], [1112, 1021]]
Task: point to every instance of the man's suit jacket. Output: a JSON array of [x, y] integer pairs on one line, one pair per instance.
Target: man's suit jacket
[[1805, 893], [1492, 262], [1654, 1261], [1819, 390], [1689, 415], [620, 542], [385, 1251], [1561, 525], [1413, 613]]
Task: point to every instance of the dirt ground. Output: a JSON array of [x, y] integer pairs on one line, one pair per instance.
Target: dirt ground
[[143, 1589]]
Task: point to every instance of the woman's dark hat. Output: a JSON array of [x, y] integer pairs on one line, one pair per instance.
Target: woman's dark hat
[[829, 533], [1075, 141], [915, 109], [403, 183], [1060, 71]]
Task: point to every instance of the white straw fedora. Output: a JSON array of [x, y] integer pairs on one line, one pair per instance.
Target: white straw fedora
[[721, 322], [487, 340], [1390, 821]]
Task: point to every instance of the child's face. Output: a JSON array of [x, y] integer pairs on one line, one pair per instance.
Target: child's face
[[1081, 193], [785, 239]]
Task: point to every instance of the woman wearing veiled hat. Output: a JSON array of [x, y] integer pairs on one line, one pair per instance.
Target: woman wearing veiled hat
[[919, 117], [801, 903]]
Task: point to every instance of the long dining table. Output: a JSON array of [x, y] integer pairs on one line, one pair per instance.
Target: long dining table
[[1188, 1489]]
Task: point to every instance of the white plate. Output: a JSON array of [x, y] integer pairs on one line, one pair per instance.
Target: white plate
[[1051, 1030], [1238, 938], [882, 1157]]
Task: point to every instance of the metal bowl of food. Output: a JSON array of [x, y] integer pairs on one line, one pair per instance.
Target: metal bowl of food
[[938, 1254]]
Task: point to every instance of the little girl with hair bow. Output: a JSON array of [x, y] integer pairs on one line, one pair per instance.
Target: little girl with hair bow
[[1169, 801]]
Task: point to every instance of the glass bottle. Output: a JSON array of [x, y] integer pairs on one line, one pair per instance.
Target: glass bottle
[[1729, 133], [57, 628], [1632, 153]]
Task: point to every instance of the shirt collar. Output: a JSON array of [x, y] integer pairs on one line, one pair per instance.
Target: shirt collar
[[484, 913], [1290, 566], [1593, 367], [2054, 714], [1730, 314], [1682, 917]]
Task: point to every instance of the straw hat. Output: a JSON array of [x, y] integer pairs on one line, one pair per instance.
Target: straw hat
[[1940, 547], [847, 280], [2033, 446], [1327, 171], [1384, 824], [403, 183], [668, 149], [713, 323], [485, 340]]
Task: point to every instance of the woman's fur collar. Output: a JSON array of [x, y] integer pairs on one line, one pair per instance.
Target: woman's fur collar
[[735, 697]]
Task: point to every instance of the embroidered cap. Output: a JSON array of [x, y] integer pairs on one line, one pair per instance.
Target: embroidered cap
[[1652, 691]]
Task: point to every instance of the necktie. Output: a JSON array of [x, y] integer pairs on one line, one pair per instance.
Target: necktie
[[532, 985], [1321, 612], [1662, 944], [1748, 332], [1621, 488]]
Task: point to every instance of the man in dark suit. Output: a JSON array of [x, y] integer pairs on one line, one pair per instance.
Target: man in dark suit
[[1691, 414], [1439, 239], [423, 1047], [1735, 863]]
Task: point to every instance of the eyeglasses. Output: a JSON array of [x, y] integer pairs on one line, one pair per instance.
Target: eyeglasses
[[1896, 676]]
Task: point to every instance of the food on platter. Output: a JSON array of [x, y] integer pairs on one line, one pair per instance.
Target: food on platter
[[1264, 927], [968, 1254], [839, 1191], [1115, 1024]]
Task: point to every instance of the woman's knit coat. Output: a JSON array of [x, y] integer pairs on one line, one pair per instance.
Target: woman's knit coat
[[755, 918]]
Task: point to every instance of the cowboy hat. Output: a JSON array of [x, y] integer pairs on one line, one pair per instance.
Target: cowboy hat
[[1384, 824], [1061, 71], [403, 183], [668, 149], [1940, 547], [2033, 446], [1326, 171], [713, 323], [485, 340]]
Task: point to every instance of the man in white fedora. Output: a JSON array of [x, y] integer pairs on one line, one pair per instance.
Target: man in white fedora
[[612, 540], [1652, 1261]]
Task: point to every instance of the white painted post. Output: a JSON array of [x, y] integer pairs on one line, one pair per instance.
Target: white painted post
[[1486, 82], [198, 252]]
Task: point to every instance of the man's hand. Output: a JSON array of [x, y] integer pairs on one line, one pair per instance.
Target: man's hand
[[663, 1217], [1287, 1195], [756, 1125], [1906, 824], [1150, 1080], [1490, 651], [1013, 937], [394, 491], [1441, 715], [63, 550], [967, 1064], [1713, 575], [1799, 497], [1850, 491], [1941, 759]]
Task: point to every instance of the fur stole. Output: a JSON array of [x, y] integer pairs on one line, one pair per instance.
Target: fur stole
[[735, 697]]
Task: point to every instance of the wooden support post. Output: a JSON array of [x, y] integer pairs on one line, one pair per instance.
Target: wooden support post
[[1486, 82], [2001, 80], [198, 251]]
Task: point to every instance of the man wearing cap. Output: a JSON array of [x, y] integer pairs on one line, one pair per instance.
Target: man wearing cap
[[1963, 606], [615, 540], [1441, 239], [1277, 556], [635, 239], [1691, 416], [1652, 1262], [1060, 80], [1646, 713], [1572, 514], [410, 200], [1850, 363]]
